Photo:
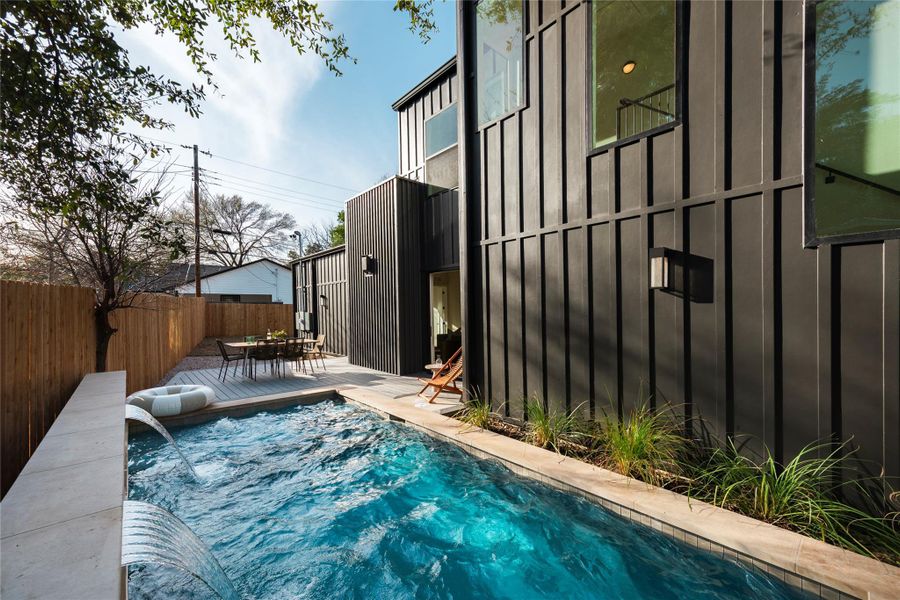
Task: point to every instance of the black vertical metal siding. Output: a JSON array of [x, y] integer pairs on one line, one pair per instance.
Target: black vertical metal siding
[[386, 315], [412, 281], [325, 274], [440, 231], [791, 345], [411, 119]]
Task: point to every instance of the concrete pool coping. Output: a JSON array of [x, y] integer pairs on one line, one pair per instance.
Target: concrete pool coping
[[61, 521], [802, 562]]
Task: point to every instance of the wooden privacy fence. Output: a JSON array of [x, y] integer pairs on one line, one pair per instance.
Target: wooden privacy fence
[[231, 319], [47, 345], [153, 336]]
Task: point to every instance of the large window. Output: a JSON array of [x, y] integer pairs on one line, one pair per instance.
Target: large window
[[498, 58], [856, 166], [634, 54], [440, 131]]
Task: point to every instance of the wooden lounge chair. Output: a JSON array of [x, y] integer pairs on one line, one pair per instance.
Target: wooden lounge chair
[[444, 379]]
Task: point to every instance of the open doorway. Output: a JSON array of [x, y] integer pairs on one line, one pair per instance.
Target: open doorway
[[445, 314]]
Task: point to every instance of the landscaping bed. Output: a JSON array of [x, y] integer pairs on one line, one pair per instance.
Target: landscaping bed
[[805, 495]]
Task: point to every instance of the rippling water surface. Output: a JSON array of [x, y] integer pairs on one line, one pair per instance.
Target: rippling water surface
[[331, 501]]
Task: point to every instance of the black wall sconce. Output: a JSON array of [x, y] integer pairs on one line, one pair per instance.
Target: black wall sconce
[[368, 265], [323, 301], [661, 263], [683, 275]]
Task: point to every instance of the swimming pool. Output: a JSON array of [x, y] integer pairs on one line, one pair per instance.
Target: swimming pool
[[331, 501]]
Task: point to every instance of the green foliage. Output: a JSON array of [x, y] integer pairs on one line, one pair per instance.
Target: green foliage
[[647, 444], [337, 232], [421, 16], [550, 429], [476, 412], [802, 495], [69, 86]]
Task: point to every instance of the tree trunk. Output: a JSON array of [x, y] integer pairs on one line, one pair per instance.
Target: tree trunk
[[105, 331]]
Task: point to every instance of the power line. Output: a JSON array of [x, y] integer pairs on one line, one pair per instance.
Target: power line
[[267, 185], [249, 188], [304, 203], [252, 166], [246, 164]]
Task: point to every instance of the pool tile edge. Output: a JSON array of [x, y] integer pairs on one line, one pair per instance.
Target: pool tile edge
[[824, 570]]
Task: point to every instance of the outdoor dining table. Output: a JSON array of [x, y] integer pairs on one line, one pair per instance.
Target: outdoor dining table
[[246, 346]]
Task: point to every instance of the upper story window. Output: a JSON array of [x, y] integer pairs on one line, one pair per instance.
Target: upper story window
[[440, 131], [500, 86], [634, 70], [855, 175]]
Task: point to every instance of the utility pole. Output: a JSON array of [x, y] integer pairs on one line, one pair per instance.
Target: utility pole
[[196, 224], [298, 235]]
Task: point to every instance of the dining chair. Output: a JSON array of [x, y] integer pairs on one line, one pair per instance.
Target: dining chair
[[227, 359], [266, 351], [293, 351]]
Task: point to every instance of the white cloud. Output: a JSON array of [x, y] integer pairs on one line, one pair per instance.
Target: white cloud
[[246, 119], [253, 99]]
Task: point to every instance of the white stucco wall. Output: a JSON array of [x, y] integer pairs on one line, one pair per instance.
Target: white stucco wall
[[261, 277]]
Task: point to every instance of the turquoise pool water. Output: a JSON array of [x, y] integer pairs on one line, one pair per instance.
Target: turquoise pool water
[[331, 501]]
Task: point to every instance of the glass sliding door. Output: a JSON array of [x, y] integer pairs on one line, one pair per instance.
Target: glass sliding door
[[445, 314]]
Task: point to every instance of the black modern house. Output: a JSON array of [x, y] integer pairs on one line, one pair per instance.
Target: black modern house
[[695, 203]]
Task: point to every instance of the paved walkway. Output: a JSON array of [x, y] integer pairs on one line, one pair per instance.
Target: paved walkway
[[338, 373]]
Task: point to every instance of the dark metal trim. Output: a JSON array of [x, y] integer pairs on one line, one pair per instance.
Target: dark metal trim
[[525, 84], [318, 254], [425, 84], [810, 236], [681, 11]]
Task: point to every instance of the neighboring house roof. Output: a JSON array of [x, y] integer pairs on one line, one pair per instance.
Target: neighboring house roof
[[177, 274], [180, 274], [425, 84], [246, 264]]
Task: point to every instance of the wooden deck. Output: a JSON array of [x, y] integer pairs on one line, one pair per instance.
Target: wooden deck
[[338, 373]]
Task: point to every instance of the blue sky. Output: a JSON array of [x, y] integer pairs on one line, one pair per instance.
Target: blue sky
[[289, 113]]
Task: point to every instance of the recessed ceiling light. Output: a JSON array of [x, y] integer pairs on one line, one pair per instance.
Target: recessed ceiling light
[[629, 67]]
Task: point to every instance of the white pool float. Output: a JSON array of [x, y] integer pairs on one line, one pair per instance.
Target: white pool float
[[173, 399]]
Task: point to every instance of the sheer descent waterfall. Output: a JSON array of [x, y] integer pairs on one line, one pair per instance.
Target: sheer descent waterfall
[[151, 534], [136, 413]]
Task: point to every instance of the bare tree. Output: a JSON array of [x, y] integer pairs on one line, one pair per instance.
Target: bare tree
[[234, 231], [323, 235], [316, 237], [116, 248]]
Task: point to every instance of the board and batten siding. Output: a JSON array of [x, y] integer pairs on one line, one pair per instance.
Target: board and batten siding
[[387, 313], [261, 277], [440, 231], [792, 345], [411, 118], [325, 274]]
